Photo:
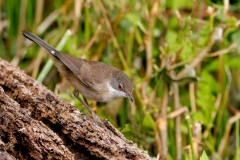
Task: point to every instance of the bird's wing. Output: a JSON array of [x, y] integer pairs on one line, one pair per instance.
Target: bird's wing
[[95, 73], [91, 73], [74, 64]]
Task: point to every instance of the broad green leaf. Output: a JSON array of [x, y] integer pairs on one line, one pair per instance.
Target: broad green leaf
[[204, 156]]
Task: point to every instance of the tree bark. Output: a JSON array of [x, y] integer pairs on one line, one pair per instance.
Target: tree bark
[[3, 154], [35, 123]]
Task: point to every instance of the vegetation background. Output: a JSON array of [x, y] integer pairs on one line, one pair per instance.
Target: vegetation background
[[183, 57]]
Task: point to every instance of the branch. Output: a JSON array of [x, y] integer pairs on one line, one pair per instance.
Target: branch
[[79, 133]]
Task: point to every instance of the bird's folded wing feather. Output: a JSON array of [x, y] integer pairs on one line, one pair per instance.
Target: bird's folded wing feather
[[90, 73]]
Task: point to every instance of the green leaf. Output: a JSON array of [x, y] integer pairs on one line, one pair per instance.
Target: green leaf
[[133, 18], [235, 38], [204, 156], [234, 62], [171, 36], [149, 122], [187, 50], [65, 96], [176, 4], [126, 128]]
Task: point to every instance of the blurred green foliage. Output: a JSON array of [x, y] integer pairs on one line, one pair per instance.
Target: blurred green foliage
[[154, 42]]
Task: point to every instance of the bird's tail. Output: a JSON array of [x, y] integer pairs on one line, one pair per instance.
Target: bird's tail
[[40, 42]]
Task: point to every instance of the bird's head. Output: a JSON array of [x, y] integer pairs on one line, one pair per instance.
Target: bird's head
[[121, 85]]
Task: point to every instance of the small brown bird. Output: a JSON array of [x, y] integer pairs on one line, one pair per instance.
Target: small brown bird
[[94, 80]]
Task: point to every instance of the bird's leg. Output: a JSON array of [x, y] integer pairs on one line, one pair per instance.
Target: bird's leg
[[85, 100], [95, 117], [85, 103]]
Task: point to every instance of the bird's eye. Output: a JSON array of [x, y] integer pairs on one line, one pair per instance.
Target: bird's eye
[[120, 87]]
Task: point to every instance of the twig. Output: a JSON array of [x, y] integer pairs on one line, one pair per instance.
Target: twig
[[148, 46], [94, 38], [225, 139], [162, 124], [221, 52], [20, 54], [38, 13], [178, 136], [199, 57], [77, 14], [115, 41], [192, 97], [48, 21], [177, 112]]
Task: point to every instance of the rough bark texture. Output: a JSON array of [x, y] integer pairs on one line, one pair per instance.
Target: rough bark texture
[[37, 124], [6, 156], [3, 154]]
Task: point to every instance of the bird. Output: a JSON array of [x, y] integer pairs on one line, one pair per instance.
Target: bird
[[92, 79]]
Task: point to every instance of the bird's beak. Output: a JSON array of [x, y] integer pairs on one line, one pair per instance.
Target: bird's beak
[[130, 97]]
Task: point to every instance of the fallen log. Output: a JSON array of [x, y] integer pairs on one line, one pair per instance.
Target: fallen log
[[40, 125]]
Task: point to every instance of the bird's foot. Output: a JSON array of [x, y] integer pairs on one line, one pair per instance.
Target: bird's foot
[[96, 118]]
